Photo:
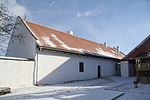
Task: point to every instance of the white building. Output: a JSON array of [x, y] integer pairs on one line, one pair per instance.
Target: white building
[[62, 57]]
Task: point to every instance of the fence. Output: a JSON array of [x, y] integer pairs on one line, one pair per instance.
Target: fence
[[144, 66]]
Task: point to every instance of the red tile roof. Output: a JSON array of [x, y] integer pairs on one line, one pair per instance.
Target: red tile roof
[[51, 38], [143, 47]]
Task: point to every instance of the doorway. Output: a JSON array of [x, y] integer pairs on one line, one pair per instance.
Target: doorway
[[98, 71]]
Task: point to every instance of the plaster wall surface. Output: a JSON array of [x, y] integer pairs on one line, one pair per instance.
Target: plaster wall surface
[[124, 68], [23, 47], [16, 73], [57, 67]]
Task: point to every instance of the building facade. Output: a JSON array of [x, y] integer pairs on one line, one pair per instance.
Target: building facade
[[62, 57]]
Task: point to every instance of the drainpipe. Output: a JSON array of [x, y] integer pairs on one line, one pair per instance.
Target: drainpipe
[[37, 66]]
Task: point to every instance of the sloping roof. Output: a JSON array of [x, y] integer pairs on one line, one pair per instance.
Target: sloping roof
[[139, 50], [51, 38]]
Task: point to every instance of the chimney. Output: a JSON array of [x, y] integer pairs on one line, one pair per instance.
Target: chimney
[[70, 32], [105, 43], [117, 48]]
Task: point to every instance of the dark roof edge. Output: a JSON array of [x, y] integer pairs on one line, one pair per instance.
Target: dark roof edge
[[77, 53], [128, 59]]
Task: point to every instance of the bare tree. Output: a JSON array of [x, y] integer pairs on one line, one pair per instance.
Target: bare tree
[[7, 24]]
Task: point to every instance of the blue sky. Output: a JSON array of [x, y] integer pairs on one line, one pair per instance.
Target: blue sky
[[123, 23]]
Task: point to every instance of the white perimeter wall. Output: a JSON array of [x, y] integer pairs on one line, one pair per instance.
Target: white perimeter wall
[[56, 67], [16, 72]]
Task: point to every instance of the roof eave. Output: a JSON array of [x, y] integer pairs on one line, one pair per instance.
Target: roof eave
[[71, 52]]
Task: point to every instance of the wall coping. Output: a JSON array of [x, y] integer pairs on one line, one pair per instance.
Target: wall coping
[[15, 58]]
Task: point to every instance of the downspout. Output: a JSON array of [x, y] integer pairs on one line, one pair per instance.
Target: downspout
[[37, 65]]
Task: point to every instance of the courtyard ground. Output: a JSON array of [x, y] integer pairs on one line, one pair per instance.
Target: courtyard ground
[[110, 88]]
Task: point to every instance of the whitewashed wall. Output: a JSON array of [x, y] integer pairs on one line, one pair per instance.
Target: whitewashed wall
[[16, 72], [26, 48], [56, 67], [124, 68]]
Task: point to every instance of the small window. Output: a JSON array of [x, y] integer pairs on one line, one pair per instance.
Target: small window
[[81, 67]]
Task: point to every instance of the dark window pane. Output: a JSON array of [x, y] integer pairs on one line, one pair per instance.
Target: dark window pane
[[81, 67]]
